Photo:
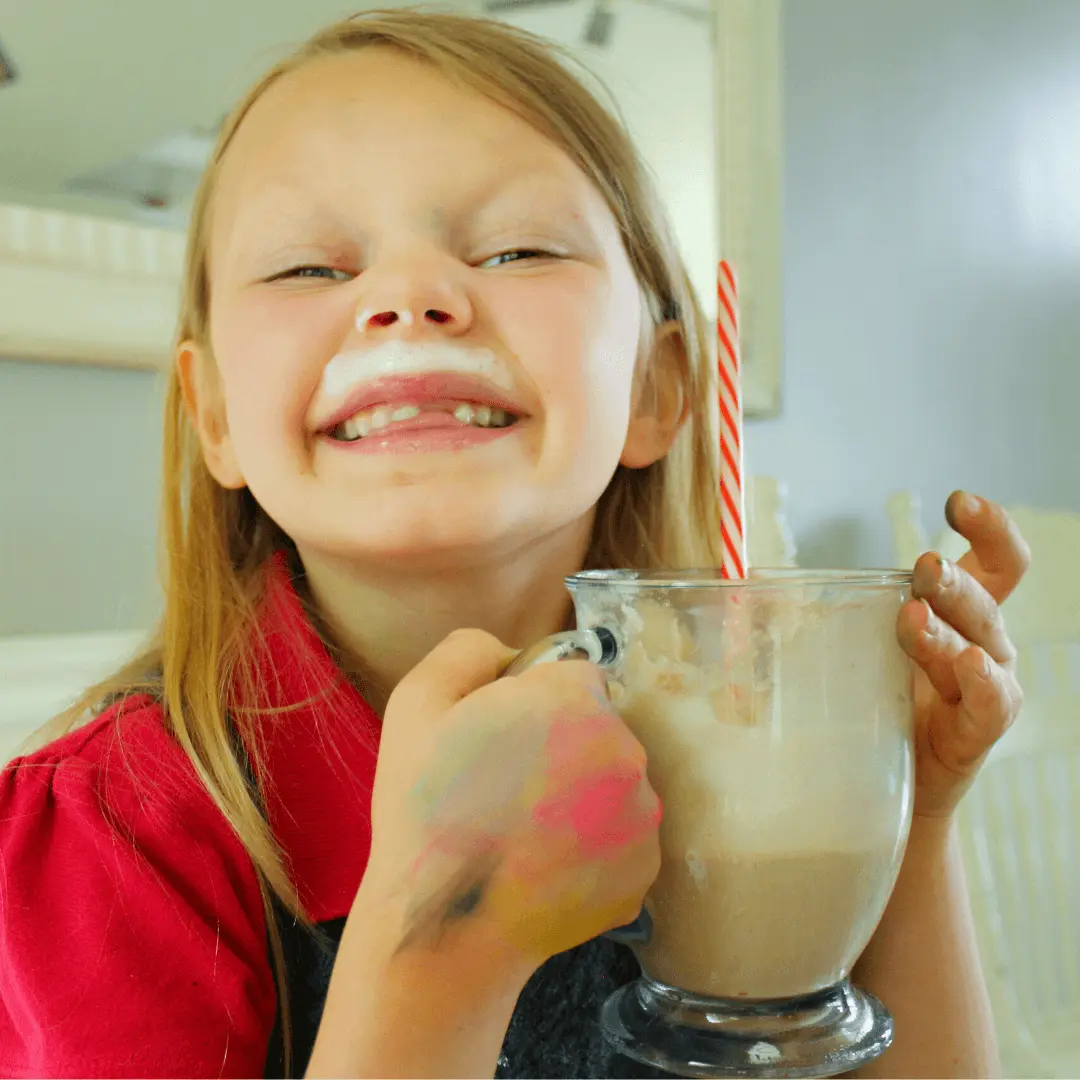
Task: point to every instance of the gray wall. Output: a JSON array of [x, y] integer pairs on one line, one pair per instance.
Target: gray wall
[[933, 312], [932, 263], [79, 463]]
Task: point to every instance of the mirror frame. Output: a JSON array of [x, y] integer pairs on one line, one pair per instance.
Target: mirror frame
[[750, 148], [76, 289], [82, 289]]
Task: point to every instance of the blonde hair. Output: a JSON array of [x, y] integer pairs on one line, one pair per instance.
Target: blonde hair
[[216, 540]]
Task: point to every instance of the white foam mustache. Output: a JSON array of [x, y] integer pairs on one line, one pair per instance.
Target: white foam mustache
[[396, 358]]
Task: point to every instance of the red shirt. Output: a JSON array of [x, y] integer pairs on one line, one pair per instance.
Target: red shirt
[[132, 935]]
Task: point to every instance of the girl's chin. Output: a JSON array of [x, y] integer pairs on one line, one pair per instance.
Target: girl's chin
[[462, 538], [458, 540]]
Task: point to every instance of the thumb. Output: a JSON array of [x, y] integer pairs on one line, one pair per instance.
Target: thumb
[[463, 663]]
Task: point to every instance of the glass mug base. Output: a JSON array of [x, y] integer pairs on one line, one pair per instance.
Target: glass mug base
[[819, 1035]]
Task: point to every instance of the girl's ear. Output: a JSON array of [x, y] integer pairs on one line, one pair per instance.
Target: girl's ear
[[206, 409], [660, 406]]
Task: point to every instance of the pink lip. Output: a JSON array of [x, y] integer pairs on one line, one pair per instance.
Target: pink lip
[[420, 390]]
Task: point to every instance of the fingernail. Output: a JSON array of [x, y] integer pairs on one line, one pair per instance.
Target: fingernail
[[982, 668], [601, 697], [970, 504], [947, 573]]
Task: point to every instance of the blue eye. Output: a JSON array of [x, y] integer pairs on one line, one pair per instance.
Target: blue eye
[[505, 257], [321, 273]]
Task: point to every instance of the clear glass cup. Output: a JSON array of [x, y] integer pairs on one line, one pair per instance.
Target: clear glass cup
[[776, 713]]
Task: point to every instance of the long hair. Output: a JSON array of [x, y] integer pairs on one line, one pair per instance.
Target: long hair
[[215, 541]]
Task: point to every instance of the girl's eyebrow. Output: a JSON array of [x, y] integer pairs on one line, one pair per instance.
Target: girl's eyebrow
[[522, 175], [281, 228], [526, 194], [533, 198], [537, 180]]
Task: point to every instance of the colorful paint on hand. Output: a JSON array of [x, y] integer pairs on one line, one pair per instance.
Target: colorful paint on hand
[[527, 836], [600, 809]]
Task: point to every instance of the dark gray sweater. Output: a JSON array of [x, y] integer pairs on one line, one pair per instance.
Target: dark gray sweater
[[554, 1031]]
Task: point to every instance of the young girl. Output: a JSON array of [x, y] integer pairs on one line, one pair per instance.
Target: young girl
[[437, 351]]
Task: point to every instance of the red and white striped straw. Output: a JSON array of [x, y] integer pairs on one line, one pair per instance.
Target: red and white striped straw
[[732, 507]]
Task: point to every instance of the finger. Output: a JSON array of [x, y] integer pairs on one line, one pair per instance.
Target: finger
[[999, 555], [958, 598], [569, 676], [991, 700], [463, 663], [934, 645]]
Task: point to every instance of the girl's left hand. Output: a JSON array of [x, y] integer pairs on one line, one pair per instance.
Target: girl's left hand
[[966, 693]]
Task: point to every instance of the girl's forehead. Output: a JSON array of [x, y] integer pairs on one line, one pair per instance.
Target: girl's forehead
[[372, 111], [375, 127]]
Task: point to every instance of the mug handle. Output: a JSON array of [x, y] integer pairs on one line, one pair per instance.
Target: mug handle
[[599, 646]]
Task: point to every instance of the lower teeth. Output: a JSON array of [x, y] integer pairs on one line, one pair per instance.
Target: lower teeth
[[382, 431]]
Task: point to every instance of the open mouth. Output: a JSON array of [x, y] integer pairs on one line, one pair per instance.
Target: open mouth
[[389, 419]]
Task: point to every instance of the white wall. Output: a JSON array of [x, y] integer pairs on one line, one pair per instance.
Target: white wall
[[932, 263]]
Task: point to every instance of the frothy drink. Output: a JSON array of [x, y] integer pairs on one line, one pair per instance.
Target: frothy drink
[[785, 808], [763, 926]]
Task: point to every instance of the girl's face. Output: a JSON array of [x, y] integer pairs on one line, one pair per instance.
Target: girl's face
[[367, 200]]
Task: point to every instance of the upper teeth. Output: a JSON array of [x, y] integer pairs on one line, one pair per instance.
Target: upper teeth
[[480, 415], [372, 420]]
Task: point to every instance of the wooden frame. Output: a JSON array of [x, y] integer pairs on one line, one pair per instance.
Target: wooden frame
[[749, 110], [80, 289]]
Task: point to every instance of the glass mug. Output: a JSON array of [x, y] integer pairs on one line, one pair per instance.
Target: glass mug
[[776, 713]]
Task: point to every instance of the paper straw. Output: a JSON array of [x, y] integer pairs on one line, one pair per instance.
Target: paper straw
[[732, 508]]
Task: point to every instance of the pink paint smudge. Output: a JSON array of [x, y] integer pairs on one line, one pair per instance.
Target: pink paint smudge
[[457, 843], [602, 807], [600, 810]]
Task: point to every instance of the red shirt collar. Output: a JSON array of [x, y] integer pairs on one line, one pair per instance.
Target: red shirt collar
[[319, 741]]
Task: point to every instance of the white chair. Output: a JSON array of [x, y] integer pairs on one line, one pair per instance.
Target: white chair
[[769, 539], [1020, 823], [41, 675]]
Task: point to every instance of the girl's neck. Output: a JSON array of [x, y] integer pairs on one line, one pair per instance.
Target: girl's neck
[[385, 620]]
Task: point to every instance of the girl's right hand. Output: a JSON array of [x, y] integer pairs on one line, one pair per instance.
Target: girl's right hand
[[519, 804]]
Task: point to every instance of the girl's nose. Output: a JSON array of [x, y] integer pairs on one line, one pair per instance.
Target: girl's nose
[[367, 319], [425, 291]]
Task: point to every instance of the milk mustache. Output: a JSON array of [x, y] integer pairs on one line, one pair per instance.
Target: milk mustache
[[785, 774]]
